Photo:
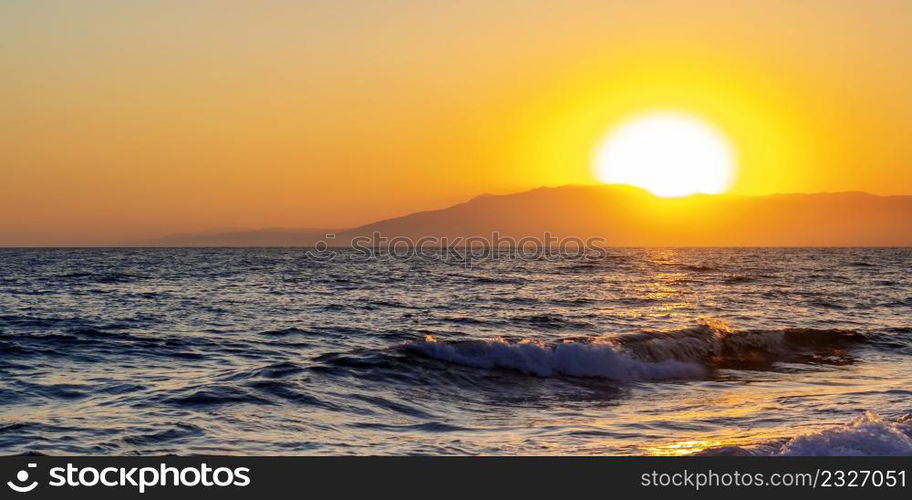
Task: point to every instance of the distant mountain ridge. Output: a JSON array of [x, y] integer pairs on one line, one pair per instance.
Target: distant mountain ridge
[[625, 216]]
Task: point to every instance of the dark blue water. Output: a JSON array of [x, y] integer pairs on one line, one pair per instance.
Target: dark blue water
[[643, 351]]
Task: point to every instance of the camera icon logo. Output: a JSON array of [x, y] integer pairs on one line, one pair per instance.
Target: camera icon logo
[[20, 486], [321, 251]]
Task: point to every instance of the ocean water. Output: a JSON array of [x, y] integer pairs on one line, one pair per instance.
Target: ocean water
[[270, 351]]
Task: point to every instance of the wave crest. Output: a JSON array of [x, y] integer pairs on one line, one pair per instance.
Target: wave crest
[[715, 343], [868, 435], [574, 359], [686, 353]]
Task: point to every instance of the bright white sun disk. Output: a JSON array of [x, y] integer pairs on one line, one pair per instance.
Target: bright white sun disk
[[669, 154]]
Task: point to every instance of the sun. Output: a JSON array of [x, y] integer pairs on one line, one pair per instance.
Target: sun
[[667, 153]]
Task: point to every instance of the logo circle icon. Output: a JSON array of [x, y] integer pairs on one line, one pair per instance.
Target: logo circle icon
[[21, 477]]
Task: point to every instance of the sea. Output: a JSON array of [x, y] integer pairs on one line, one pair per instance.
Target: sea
[[283, 351]]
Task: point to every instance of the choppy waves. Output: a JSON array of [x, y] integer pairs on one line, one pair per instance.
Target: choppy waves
[[260, 351]]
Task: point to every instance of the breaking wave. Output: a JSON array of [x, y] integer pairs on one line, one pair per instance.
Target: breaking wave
[[574, 359], [715, 344], [867, 435], [687, 353]]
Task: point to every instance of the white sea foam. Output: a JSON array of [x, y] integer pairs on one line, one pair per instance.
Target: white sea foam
[[866, 435], [568, 358]]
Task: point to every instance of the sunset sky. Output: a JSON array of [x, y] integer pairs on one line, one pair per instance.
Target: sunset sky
[[126, 120]]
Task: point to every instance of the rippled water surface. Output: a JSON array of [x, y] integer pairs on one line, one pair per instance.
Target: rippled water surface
[[643, 351]]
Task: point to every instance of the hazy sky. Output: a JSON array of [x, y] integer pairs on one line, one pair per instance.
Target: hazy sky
[[127, 119]]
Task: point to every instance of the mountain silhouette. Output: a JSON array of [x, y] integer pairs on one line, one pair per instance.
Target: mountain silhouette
[[624, 216]]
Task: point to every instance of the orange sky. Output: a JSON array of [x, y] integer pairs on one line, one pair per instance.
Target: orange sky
[[125, 120]]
